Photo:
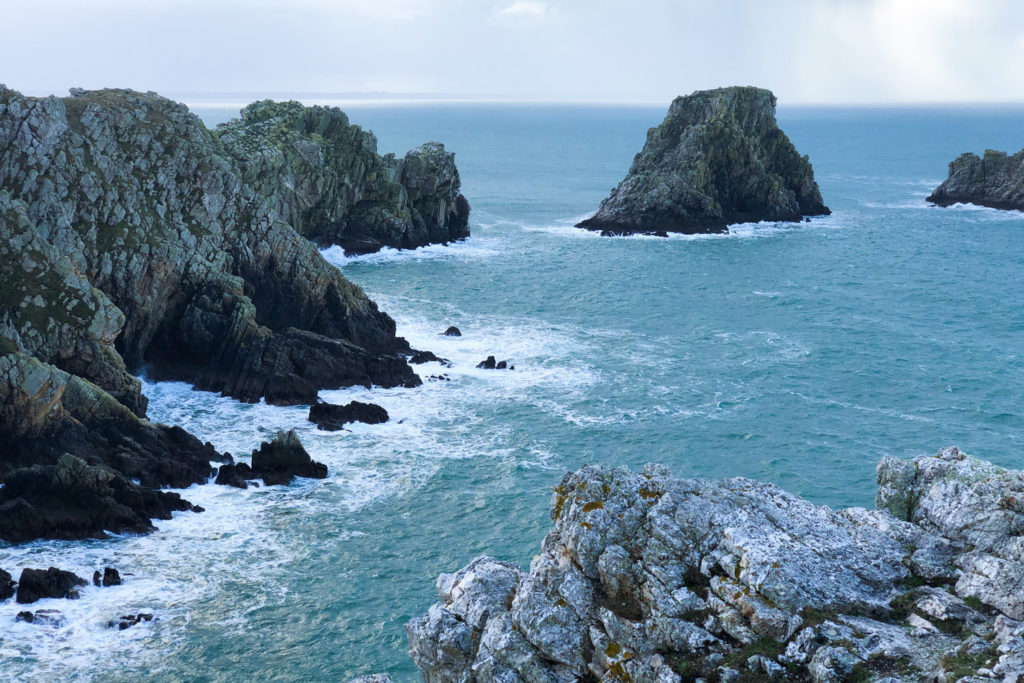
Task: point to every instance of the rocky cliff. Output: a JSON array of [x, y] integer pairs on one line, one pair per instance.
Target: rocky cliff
[[995, 180], [646, 577], [131, 241], [323, 176], [718, 158]]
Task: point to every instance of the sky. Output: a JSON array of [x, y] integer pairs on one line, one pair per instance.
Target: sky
[[618, 51]]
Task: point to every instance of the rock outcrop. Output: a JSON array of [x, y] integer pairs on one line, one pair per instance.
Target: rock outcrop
[[324, 176], [283, 458], [6, 586], [995, 180], [646, 577], [132, 241], [331, 418], [717, 159], [36, 584]]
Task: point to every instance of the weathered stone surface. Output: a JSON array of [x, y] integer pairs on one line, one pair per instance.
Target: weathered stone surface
[[36, 584], [198, 277], [323, 175], [994, 179], [330, 417], [283, 458], [718, 158], [648, 577]]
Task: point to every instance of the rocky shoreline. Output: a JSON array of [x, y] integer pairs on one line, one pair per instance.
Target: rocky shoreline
[[718, 158], [647, 577], [995, 180], [137, 241]]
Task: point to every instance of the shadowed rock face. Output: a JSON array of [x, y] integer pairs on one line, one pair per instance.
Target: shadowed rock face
[[323, 176], [995, 180], [718, 158], [649, 577]]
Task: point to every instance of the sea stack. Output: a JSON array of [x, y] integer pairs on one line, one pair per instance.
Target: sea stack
[[995, 180], [717, 159]]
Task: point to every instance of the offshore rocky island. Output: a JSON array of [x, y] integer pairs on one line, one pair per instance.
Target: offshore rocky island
[[135, 239]]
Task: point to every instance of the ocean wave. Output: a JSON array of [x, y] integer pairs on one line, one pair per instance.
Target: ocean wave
[[468, 249]]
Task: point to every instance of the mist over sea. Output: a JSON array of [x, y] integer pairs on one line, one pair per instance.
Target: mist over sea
[[793, 353]]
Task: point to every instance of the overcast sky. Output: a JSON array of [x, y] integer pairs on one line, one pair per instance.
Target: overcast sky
[[807, 51]]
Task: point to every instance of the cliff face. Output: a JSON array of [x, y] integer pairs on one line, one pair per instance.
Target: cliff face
[[323, 176], [718, 158], [131, 241], [646, 577], [995, 180], [197, 278]]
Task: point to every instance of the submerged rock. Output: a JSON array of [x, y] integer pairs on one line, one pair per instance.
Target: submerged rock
[[421, 357], [649, 577], [330, 417], [42, 617], [452, 332], [323, 176], [36, 584], [490, 364], [718, 158], [110, 577], [127, 621], [283, 458], [995, 180]]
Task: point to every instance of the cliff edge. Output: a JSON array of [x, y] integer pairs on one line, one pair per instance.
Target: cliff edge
[[718, 158]]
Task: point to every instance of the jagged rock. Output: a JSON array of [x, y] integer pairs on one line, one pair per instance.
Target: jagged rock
[[6, 586], [198, 276], [490, 363], [42, 617], [330, 417], [978, 506], [235, 474], [129, 620], [36, 584], [323, 176], [283, 458], [72, 499], [649, 577], [421, 357], [110, 577], [718, 158], [995, 180], [452, 332]]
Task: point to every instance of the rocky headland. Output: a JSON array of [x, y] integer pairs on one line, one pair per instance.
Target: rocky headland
[[647, 577], [718, 158], [324, 177], [134, 240], [995, 180]]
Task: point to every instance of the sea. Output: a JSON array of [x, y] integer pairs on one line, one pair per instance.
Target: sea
[[795, 353]]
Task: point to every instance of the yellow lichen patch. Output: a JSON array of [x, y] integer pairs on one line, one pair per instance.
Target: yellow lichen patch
[[559, 502], [593, 505], [561, 603], [585, 526], [613, 650], [647, 493]]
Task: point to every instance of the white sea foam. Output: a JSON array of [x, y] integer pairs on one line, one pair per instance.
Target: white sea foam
[[470, 248]]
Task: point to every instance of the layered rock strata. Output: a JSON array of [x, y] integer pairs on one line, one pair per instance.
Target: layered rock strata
[[717, 159], [323, 176], [646, 577], [995, 180]]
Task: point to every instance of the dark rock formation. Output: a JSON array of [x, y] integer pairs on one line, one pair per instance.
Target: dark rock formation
[[421, 357], [129, 240], [36, 584], [330, 418], [323, 176], [718, 158], [42, 617], [995, 180], [6, 586], [490, 364], [110, 577], [235, 474], [452, 332], [283, 458], [646, 577], [127, 621]]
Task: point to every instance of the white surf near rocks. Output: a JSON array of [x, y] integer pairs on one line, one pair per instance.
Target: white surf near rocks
[[647, 577]]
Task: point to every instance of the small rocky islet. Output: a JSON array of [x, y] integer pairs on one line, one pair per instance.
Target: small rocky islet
[[995, 180], [718, 158]]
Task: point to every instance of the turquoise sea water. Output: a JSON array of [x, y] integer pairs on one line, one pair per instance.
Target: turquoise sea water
[[793, 353]]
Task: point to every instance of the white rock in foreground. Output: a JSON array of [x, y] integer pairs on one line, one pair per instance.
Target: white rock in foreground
[[646, 577]]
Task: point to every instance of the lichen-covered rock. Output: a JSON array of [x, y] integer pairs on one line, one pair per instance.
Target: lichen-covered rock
[[718, 158], [995, 179], [323, 175], [198, 278], [648, 577]]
